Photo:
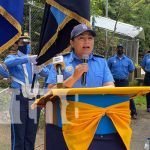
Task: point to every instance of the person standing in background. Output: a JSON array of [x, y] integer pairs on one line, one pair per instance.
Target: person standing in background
[[24, 121], [120, 66], [146, 67]]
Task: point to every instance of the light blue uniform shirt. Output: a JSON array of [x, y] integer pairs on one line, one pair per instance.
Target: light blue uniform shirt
[[48, 67], [146, 63], [120, 67], [3, 72], [97, 75], [14, 65], [15, 68]]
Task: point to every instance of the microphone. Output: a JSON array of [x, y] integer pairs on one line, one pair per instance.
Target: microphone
[[59, 65], [85, 58]]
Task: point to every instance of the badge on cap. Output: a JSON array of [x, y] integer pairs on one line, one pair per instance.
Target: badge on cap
[[84, 26]]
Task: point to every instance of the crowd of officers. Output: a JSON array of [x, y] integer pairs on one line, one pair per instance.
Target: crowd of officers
[[20, 66]]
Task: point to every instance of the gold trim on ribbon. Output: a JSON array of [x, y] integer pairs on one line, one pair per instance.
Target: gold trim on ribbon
[[15, 24]]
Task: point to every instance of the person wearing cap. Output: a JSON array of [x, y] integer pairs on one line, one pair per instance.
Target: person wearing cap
[[98, 75], [24, 121], [120, 66], [82, 43], [145, 64]]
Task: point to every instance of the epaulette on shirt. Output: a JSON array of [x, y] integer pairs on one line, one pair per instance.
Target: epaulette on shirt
[[147, 54], [65, 54], [98, 55], [128, 57]]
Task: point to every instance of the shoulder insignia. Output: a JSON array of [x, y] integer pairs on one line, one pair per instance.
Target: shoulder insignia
[[148, 54], [98, 55], [129, 58], [66, 53]]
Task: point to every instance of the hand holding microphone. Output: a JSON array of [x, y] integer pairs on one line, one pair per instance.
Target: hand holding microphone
[[85, 58], [79, 70]]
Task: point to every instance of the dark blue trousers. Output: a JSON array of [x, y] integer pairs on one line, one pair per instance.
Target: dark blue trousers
[[55, 140], [147, 83], [124, 83], [24, 123]]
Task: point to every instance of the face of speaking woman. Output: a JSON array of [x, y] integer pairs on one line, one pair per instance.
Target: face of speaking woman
[[83, 44]]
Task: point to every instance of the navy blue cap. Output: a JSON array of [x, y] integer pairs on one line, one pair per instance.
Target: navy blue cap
[[79, 29], [119, 46]]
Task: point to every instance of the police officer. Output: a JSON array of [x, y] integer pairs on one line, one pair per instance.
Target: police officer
[[98, 75], [24, 121], [120, 66], [146, 67], [82, 42]]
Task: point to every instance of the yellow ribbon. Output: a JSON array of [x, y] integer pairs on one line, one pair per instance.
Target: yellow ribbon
[[80, 122]]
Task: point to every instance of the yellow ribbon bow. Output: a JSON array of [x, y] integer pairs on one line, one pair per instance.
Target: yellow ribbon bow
[[80, 121]]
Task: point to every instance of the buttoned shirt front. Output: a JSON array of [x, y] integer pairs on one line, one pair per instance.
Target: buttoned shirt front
[[98, 72], [120, 67]]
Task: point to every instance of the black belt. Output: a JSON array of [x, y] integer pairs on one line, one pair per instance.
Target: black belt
[[106, 136], [121, 80]]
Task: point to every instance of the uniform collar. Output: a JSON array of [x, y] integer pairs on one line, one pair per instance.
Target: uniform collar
[[73, 56], [123, 56]]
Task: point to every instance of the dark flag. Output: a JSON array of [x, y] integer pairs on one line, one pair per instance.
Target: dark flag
[[11, 18], [60, 17]]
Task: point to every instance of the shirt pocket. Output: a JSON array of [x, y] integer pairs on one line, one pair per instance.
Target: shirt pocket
[[96, 79], [125, 64], [67, 74]]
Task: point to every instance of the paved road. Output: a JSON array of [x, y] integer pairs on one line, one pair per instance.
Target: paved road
[[141, 130]]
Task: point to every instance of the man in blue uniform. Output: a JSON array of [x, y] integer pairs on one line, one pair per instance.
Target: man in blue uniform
[[120, 66], [24, 121], [97, 75], [146, 67]]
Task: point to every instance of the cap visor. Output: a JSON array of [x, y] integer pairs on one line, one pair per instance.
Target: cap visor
[[90, 31]]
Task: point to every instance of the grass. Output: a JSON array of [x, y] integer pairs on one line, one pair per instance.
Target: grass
[[42, 120], [140, 102]]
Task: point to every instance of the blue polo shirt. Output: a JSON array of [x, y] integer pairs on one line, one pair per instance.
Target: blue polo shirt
[[146, 63], [97, 75], [120, 67]]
